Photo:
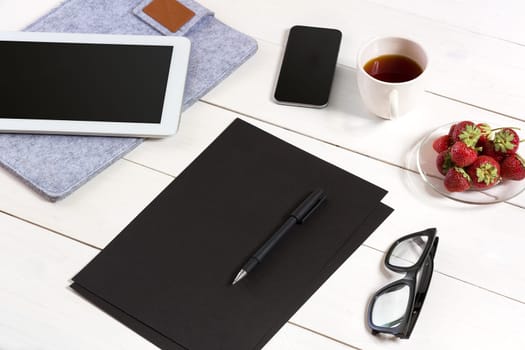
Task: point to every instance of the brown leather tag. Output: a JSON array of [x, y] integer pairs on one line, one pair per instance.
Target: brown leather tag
[[170, 13]]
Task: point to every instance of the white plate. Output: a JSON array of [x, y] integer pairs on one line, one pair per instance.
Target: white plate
[[426, 164]]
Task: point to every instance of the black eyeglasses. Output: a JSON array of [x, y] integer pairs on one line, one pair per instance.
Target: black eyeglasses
[[395, 308]]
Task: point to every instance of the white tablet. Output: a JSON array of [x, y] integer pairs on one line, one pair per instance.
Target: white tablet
[[87, 84]]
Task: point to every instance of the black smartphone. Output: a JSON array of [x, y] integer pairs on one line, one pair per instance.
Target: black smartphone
[[308, 66]]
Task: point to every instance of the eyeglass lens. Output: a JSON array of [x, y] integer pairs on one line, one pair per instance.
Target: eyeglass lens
[[408, 251], [390, 307]]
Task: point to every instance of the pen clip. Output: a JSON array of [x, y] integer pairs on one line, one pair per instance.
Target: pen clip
[[307, 208]]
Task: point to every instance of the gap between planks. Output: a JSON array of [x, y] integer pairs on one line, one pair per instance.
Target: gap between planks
[[63, 235], [323, 335], [445, 24]]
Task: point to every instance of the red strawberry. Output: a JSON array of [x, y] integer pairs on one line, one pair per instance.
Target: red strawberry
[[451, 130], [484, 172], [513, 167], [443, 162], [441, 143], [467, 132], [486, 130], [458, 129], [462, 155], [487, 149], [457, 180], [506, 141]]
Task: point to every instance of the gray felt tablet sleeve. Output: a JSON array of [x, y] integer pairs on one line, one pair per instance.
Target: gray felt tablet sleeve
[[56, 165]]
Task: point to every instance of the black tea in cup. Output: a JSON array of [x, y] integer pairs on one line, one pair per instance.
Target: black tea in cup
[[393, 68]]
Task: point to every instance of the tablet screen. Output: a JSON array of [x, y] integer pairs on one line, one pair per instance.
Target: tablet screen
[[83, 82]]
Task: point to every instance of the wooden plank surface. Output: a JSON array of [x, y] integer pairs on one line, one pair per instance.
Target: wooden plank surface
[[95, 213], [455, 315], [477, 295], [492, 238], [452, 241], [38, 310], [477, 69], [502, 20], [345, 122], [17, 14]]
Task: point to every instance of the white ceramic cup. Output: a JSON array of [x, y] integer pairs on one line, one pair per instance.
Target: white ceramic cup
[[390, 100]]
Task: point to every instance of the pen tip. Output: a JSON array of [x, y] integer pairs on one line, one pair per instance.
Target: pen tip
[[239, 277]]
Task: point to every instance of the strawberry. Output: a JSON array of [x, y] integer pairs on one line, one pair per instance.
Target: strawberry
[[506, 141], [443, 162], [467, 132], [484, 172], [513, 167], [441, 143], [486, 130], [487, 149], [462, 155], [458, 128], [451, 130], [457, 180]]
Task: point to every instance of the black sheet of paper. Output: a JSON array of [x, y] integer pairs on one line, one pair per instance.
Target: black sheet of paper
[[168, 274], [163, 342]]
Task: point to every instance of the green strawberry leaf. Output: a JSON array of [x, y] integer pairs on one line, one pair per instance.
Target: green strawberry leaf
[[487, 173], [470, 135], [485, 129], [463, 173], [447, 162], [503, 141]]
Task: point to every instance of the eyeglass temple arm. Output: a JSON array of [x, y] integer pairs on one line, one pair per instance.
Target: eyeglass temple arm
[[421, 293]]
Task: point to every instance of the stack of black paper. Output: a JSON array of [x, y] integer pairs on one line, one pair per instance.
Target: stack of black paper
[[168, 274]]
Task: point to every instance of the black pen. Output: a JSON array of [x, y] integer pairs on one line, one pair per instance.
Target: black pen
[[298, 216]]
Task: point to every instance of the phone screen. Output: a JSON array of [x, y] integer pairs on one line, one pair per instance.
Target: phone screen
[[308, 66]]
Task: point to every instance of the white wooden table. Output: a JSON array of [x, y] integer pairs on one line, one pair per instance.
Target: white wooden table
[[476, 299]]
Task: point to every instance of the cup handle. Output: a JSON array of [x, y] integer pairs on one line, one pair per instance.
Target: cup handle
[[393, 98]]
